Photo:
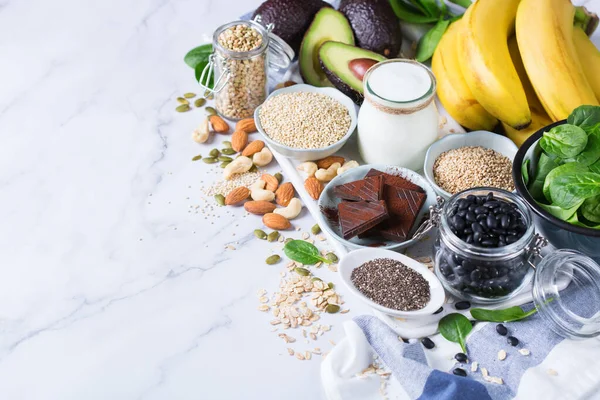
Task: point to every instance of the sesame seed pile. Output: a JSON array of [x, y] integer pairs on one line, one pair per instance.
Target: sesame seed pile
[[304, 120], [392, 284], [224, 187], [472, 166]]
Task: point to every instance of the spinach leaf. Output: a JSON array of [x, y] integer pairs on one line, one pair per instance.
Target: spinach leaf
[[544, 166], [591, 153], [595, 167], [430, 40], [198, 55], [406, 13], [303, 252], [567, 190], [455, 328], [525, 171], [504, 315], [585, 117], [559, 171], [575, 221], [561, 213], [564, 141], [590, 209], [198, 72]]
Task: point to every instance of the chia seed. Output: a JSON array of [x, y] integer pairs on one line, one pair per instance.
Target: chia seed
[[392, 284]]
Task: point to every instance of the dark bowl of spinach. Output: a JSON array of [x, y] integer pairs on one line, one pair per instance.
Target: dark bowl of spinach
[[557, 172]]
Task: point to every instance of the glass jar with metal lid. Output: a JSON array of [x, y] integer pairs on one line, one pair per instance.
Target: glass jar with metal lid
[[243, 52]]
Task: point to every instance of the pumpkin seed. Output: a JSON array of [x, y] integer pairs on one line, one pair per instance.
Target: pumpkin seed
[[274, 259], [331, 285], [220, 199], [228, 151], [332, 308], [200, 102], [273, 236], [279, 177], [181, 100], [183, 108], [214, 153], [259, 233], [315, 229], [224, 158], [224, 164], [211, 111], [288, 240], [254, 168], [210, 96], [331, 257], [302, 271], [189, 95], [314, 279], [196, 158], [209, 160], [226, 144]]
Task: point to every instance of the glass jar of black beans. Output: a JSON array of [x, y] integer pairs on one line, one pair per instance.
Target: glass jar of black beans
[[484, 244]]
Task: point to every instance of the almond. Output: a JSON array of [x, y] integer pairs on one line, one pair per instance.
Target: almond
[[247, 125], [239, 140], [284, 194], [271, 182], [276, 221], [253, 147], [237, 195], [327, 161], [259, 207], [314, 187], [218, 124]]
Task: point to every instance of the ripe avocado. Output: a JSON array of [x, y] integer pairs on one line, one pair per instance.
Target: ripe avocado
[[327, 25], [336, 59], [374, 24], [291, 18]]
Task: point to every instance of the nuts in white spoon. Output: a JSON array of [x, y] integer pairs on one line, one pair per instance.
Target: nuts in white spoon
[[262, 194], [292, 210], [325, 175], [347, 165], [259, 184], [201, 133], [308, 167], [263, 157], [237, 166]]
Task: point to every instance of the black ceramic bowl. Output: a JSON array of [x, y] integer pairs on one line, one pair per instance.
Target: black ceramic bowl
[[560, 234]]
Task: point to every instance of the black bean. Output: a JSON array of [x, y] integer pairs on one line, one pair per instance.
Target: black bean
[[439, 310], [491, 221], [489, 196], [460, 357], [480, 210], [462, 204], [472, 207], [458, 223], [460, 271], [459, 372], [462, 213], [467, 231], [492, 204], [469, 239], [481, 217], [471, 217], [513, 341], [491, 242], [477, 236], [511, 239], [475, 275], [501, 329], [428, 343], [462, 305], [471, 198], [476, 226]]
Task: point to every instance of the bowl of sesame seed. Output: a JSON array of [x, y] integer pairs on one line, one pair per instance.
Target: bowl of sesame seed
[[306, 123], [462, 161]]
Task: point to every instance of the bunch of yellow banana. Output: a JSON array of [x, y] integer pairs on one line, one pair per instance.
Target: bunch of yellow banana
[[522, 62]]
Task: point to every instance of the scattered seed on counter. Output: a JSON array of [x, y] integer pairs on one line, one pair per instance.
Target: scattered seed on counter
[[461, 357], [439, 310], [474, 366], [501, 355], [524, 352], [513, 341], [462, 305], [391, 284], [552, 372], [428, 343], [472, 166], [501, 329], [459, 372]]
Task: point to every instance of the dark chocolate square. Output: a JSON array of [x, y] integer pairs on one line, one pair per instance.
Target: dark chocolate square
[[358, 217], [368, 189]]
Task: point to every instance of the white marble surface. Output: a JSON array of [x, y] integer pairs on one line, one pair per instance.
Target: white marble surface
[[109, 287]]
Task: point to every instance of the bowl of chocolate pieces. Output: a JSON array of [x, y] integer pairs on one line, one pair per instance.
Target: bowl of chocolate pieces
[[376, 206]]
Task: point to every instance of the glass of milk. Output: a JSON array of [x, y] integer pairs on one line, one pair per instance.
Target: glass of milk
[[398, 120]]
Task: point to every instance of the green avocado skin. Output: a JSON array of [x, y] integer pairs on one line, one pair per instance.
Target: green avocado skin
[[375, 25], [291, 18]]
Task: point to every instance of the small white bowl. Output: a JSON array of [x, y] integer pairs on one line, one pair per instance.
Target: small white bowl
[[357, 258], [310, 154], [489, 140]]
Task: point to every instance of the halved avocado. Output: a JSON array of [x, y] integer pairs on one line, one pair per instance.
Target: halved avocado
[[336, 61], [328, 24]]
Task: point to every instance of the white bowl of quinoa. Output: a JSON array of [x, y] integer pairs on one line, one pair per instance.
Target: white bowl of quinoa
[[306, 123], [461, 161]]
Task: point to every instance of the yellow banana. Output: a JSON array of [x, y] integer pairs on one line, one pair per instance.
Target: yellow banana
[[452, 89], [539, 117], [545, 35], [486, 63], [589, 56]]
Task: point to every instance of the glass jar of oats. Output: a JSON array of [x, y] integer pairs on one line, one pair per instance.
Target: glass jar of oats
[[243, 53]]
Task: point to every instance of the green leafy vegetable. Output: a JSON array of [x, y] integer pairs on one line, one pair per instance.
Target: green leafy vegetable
[[585, 117], [525, 171], [575, 221], [406, 13], [418, 7], [430, 6], [430, 40], [564, 141], [504, 315], [455, 328], [198, 55], [303, 252], [462, 3], [590, 209], [561, 213], [567, 190], [558, 172], [595, 167], [591, 153], [544, 166]]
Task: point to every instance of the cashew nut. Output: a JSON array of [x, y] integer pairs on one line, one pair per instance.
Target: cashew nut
[[262, 194], [325, 175], [259, 184], [237, 166], [309, 167], [263, 157], [200, 134], [347, 165], [291, 211]]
